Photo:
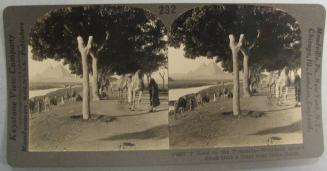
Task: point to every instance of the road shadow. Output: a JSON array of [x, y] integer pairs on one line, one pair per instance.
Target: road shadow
[[95, 117], [109, 118], [293, 127], [259, 94], [158, 132], [276, 110], [136, 114], [245, 113]]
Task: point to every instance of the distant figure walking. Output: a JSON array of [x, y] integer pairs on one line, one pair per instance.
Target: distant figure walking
[[214, 96], [47, 103], [283, 83], [271, 83], [297, 87], [105, 86], [154, 95], [254, 83], [198, 98]]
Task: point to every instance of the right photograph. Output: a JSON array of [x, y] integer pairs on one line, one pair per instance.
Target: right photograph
[[234, 78]]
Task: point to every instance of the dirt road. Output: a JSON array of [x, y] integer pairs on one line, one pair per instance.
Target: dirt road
[[262, 122], [112, 127]]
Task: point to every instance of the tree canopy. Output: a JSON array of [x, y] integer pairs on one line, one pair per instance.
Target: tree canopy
[[124, 38], [271, 36]]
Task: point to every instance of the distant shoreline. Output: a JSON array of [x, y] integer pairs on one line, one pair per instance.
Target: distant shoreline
[[42, 92], [43, 85], [179, 88], [188, 83]]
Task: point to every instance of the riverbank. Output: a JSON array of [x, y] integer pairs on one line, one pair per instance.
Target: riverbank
[[43, 92], [175, 94], [262, 122]]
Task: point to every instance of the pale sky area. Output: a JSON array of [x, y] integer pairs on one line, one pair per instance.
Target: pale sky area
[[38, 67], [178, 64]]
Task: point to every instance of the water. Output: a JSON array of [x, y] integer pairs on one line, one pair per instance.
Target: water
[[34, 93], [174, 94]]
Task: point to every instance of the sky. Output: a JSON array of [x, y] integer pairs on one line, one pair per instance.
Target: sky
[[37, 67], [178, 64]]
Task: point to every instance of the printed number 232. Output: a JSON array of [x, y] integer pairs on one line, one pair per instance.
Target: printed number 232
[[167, 9]]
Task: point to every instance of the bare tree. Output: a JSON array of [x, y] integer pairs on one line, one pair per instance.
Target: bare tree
[[85, 50], [235, 48]]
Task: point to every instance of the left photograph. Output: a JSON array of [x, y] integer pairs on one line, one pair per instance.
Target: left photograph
[[98, 80]]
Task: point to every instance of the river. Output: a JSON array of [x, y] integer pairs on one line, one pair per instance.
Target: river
[[174, 94], [34, 93]]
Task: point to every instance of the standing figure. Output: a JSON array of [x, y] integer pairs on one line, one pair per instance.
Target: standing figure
[[199, 101], [32, 104], [297, 86], [47, 103], [39, 105], [214, 96], [154, 95], [192, 102], [271, 83], [282, 85], [62, 100]]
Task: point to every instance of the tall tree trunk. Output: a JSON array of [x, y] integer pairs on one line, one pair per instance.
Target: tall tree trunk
[[235, 48], [95, 86], [251, 76], [84, 50], [162, 75], [294, 74], [246, 89], [99, 81], [148, 77]]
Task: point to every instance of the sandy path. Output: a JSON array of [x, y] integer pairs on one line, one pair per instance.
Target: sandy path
[[112, 127], [214, 126]]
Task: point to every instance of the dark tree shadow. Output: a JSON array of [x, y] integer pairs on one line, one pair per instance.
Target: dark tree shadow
[[294, 127], [139, 114], [95, 117], [103, 116], [259, 94], [158, 132], [276, 110], [260, 112], [245, 113]]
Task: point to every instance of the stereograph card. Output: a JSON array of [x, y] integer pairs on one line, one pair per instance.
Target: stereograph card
[[145, 84]]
